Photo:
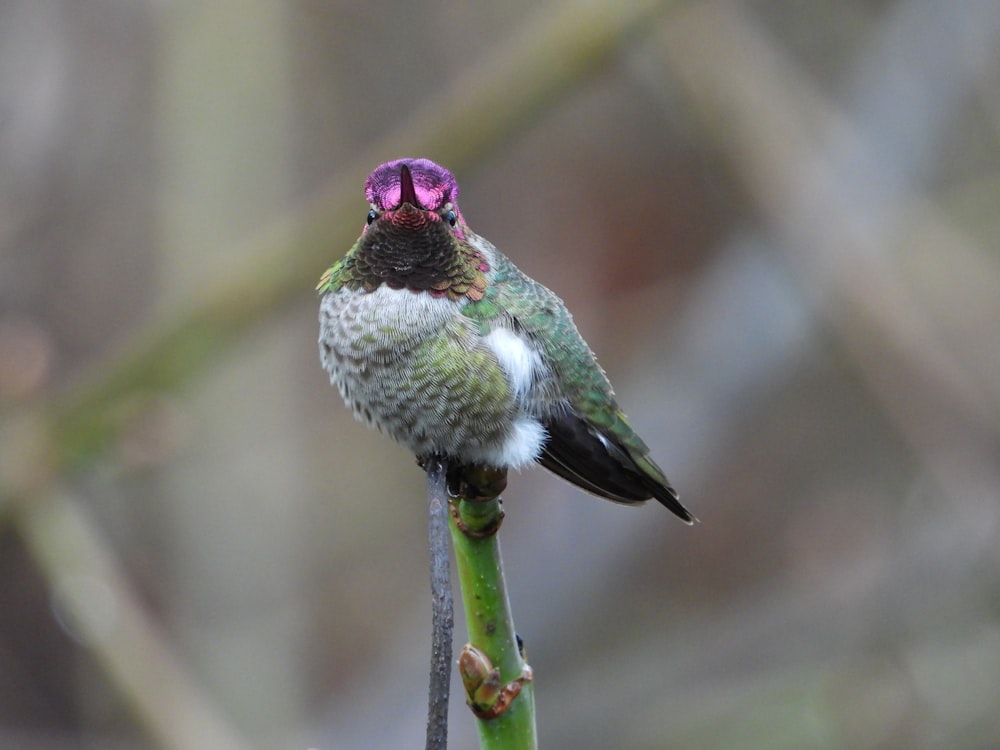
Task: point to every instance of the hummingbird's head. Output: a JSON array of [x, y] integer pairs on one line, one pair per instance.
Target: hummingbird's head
[[414, 192], [416, 237]]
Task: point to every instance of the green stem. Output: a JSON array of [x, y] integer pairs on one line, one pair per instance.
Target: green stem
[[489, 620]]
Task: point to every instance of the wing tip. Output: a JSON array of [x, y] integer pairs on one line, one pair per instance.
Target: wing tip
[[667, 497]]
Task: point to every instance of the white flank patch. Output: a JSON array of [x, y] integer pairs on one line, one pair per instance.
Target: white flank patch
[[524, 444], [517, 359]]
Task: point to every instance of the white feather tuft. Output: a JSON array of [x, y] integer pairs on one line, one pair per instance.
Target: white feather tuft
[[519, 361], [524, 444]]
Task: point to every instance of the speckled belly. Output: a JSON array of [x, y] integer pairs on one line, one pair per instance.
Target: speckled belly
[[414, 367]]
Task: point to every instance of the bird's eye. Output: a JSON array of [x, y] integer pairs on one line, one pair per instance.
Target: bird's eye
[[451, 217], [372, 216]]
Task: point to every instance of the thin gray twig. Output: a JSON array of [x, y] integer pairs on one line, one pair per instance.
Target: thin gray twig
[[443, 611]]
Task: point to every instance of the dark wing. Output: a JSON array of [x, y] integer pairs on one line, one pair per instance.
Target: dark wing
[[583, 455]]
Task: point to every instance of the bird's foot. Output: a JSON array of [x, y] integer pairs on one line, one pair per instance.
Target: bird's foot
[[478, 486], [476, 483], [485, 692], [430, 460]]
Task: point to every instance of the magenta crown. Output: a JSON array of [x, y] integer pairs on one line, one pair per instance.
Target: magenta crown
[[390, 185]]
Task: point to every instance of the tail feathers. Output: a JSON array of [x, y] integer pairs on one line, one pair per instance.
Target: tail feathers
[[592, 461]]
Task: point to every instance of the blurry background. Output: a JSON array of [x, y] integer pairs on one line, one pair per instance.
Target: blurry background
[[777, 224]]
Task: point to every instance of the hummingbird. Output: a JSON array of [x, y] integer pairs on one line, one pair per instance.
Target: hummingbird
[[438, 340]]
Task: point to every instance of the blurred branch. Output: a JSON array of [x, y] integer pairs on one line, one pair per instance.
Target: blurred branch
[[482, 108], [100, 609], [838, 205]]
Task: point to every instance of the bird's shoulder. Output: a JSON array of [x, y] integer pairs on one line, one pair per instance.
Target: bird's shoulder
[[337, 275]]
